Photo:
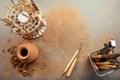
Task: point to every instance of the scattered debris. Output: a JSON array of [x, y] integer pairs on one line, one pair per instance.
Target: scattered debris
[[24, 68], [9, 40], [3, 51]]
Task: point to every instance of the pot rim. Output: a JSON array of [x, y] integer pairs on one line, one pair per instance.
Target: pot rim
[[19, 53]]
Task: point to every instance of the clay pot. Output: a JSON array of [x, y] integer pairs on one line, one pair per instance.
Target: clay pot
[[27, 52]]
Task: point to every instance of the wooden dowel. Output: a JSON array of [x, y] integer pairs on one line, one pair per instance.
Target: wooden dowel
[[103, 63], [76, 53], [71, 68], [110, 66], [103, 67], [96, 67], [105, 56], [96, 56]]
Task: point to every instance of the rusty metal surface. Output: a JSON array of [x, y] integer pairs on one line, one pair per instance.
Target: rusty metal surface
[[69, 22]]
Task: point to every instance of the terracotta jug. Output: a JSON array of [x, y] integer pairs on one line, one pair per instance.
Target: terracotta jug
[[27, 52]]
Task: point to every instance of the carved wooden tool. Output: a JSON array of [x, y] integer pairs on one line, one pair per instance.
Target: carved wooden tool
[[73, 64], [105, 56], [110, 66], [71, 68], [76, 53], [107, 66], [96, 67], [103, 67], [103, 63], [72, 59]]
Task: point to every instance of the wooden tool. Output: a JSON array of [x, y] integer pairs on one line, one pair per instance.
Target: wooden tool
[[107, 66], [103, 67], [105, 56], [71, 68], [96, 53], [96, 56], [96, 67], [110, 66], [71, 61], [103, 63]]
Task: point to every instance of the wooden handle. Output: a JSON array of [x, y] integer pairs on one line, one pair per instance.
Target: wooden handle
[[95, 66], [103, 67], [96, 53], [96, 56], [72, 67], [106, 66], [110, 66], [103, 63], [71, 60]]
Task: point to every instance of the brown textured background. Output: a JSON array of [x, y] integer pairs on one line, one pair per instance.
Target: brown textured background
[[69, 22]]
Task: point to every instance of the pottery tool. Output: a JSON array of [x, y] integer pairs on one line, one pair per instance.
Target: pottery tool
[[72, 67], [67, 67], [73, 64], [105, 56], [103, 67], [103, 63], [111, 66], [107, 66], [96, 67], [72, 59]]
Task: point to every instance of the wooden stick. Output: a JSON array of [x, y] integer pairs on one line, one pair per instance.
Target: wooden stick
[[71, 68], [96, 56], [110, 66], [73, 58], [76, 53], [103, 63], [103, 67], [105, 56], [96, 67], [73, 65]]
